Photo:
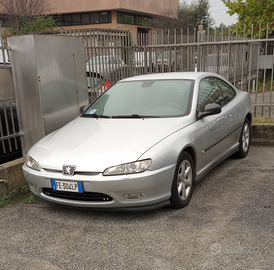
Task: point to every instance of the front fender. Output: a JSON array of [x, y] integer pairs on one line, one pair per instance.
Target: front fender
[[167, 151]]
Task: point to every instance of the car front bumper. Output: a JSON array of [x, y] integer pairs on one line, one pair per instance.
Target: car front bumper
[[155, 187]]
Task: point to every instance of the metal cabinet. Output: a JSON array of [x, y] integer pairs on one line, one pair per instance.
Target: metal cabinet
[[50, 83]]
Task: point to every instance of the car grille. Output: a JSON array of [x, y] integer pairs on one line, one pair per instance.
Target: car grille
[[85, 196]]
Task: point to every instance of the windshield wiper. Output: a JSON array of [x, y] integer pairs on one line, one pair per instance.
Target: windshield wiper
[[95, 115], [134, 116]]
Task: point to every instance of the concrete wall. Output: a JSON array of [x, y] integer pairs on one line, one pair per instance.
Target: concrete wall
[[113, 25], [168, 8], [155, 7], [11, 176], [262, 134]]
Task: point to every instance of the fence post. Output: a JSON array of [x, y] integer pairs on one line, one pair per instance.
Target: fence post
[[1, 42], [1, 38], [145, 60]]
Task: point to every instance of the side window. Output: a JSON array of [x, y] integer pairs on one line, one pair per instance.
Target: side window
[[228, 92], [209, 92]]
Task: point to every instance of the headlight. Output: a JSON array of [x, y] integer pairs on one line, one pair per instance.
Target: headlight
[[129, 168], [32, 163]]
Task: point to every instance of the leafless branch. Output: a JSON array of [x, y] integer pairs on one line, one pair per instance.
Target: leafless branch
[[18, 12]]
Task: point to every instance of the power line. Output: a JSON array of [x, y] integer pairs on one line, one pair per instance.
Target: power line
[[218, 5], [218, 1], [218, 9]]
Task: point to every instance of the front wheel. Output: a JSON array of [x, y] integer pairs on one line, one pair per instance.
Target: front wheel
[[244, 142], [183, 182]]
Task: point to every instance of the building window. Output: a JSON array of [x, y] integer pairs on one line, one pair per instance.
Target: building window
[[139, 20], [76, 19], [94, 17], [66, 20], [83, 18], [131, 18], [103, 17]]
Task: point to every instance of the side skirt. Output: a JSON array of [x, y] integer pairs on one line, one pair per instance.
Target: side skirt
[[232, 150]]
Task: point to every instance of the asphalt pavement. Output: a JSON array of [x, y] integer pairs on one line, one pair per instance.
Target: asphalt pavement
[[229, 224]]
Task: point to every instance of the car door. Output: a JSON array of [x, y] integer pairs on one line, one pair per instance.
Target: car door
[[233, 126], [213, 127]]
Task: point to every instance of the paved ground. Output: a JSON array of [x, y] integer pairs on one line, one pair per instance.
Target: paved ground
[[229, 224]]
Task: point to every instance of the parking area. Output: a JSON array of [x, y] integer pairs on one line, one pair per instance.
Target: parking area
[[228, 224]]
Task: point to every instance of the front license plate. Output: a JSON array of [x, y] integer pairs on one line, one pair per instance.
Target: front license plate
[[67, 186]]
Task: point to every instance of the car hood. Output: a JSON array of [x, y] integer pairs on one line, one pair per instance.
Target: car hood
[[95, 144]]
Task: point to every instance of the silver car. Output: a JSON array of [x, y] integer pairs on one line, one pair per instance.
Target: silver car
[[109, 66], [143, 143]]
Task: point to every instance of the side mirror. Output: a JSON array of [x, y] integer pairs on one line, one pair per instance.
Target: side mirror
[[83, 108], [210, 109]]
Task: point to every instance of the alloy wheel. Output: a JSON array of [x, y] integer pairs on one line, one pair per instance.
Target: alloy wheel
[[246, 137], [184, 179]]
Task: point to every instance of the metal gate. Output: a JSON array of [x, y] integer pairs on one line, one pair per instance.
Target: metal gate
[[112, 55], [248, 63], [10, 145]]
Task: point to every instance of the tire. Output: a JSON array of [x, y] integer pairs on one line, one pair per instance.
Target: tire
[[183, 182], [244, 140]]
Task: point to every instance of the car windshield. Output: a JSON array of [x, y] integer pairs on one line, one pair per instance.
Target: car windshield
[[140, 99]]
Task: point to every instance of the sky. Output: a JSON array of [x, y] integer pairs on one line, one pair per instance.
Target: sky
[[218, 13]]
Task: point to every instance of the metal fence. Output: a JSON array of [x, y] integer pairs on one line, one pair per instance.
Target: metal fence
[[112, 55], [246, 62], [10, 145]]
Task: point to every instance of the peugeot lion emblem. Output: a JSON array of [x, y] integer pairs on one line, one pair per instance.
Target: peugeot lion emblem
[[69, 170]]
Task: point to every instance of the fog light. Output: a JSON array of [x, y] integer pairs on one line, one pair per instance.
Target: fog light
[[139, 195]]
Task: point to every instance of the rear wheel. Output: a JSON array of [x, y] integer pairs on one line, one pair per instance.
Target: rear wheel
[[183, 182], [244, 140]]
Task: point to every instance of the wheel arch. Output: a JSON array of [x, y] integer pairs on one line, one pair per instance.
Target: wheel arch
[[190, 150], [184, 179], [249, 117]]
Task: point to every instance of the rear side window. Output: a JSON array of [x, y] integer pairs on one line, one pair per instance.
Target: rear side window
[[209, 92], [228, 92]]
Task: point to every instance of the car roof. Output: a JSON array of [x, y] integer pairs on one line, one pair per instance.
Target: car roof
[[171, 76]]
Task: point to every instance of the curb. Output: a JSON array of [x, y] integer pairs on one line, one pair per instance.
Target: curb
[[11, 176], [262, 134]]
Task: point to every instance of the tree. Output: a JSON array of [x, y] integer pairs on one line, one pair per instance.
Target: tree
[[199, 12], [26, 16], [221, 30], [252, 12], [189, 16]]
